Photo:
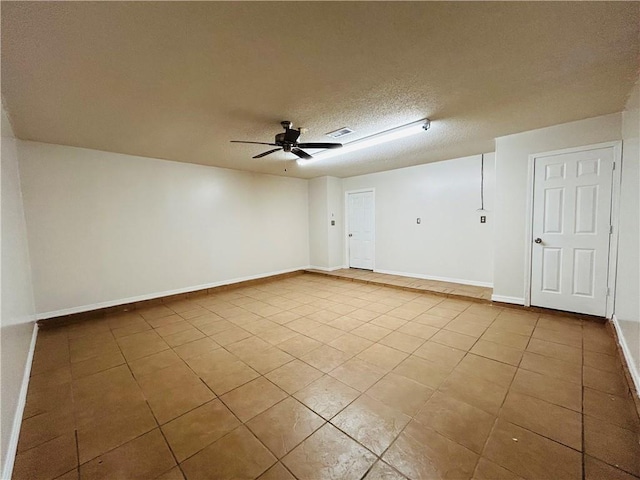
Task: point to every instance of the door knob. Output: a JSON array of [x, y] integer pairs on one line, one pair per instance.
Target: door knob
[[538, 240], [351, 234]]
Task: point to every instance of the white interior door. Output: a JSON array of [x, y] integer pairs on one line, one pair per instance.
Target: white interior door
[[361, 218], [571, 230]]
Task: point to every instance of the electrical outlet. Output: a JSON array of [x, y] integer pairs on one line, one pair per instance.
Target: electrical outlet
[[483, 219], [333, 223]]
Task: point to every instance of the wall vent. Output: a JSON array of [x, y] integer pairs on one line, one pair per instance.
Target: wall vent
[[340, 132]]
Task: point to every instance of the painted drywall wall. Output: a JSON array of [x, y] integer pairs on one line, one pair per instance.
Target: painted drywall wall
[[104, 228], [627, 303], [335, 222], [450, 243], [318, 230], [326, 223], [17, 307], [512, 158]]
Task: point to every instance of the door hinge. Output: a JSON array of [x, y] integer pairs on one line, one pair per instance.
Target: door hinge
[[608, 291], [614, 165], [610, 229]]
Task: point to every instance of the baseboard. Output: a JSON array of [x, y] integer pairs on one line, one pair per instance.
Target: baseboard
[[473, 283], [156, 295], [503, 299], [326, 269], [633, 370], [12, 447]]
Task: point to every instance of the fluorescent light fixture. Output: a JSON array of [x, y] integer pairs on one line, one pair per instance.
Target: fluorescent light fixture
[[372, 140]]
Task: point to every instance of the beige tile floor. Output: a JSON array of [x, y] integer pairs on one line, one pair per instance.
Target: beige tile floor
[[417, 284], [313, 377]]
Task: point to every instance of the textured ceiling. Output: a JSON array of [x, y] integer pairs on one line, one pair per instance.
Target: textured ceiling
[[178, 80]]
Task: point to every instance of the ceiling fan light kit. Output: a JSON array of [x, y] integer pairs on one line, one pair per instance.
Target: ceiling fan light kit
[[372, 140]]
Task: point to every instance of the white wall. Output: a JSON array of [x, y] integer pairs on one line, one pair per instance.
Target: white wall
[[17, 309], [627, 304], [335, 212], [326, 241], [318, 230], [450, 243], [106, 228], [512, 157]]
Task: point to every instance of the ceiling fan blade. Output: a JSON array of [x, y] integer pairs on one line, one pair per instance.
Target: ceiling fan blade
[[257, 143], [264, 154], [320, 145], [301, 153]]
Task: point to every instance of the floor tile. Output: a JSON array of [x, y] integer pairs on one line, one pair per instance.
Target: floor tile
[[253, 398], [48, 460], [486, 369], [195, 348], [487, 470], [442, 355], [497, 352], [46, 426], [572, 338], [480, 393], [266, 360], [96, 364], [299, 345], [169, 404], [326, 396], [550, 389], [465, 327], [372, 423], [400, 393], [283, 426], [199, 428], [325, 358], [383, 471], [418, 330], [463, 423], [329, 454], [551, 367], [555, 350], [106, 433], [454, 339], [236, 455], [381, 356], [293, 376], [551, 421], [620, 411], [611, 444], [507, 339], [155, 362], [277, 472], [530, 455], [598, 470], [421, 453], [422, 371], [402, 341], [174, 474], [357, 374], [608, 382], [371, 332], [147, 456], [351, 344]]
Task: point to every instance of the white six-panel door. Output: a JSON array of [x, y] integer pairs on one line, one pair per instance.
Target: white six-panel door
[[571, 231], [361, 229]]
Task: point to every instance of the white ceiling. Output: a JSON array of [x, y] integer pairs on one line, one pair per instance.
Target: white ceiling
[[178, 80]]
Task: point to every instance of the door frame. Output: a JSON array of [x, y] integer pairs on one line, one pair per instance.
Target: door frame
[[347, 259], [615, 208]]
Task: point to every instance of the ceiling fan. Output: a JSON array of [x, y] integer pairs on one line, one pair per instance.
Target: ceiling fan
[[288, 141]]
